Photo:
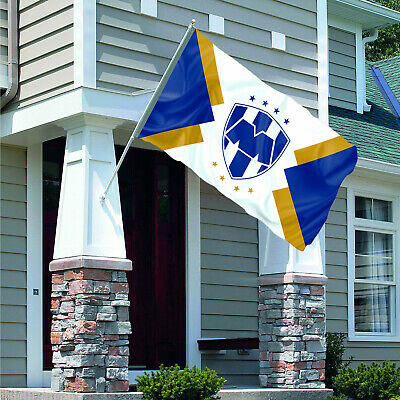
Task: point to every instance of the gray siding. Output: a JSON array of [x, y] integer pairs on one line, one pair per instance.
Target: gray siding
[[229, 271], [12, 267], [3, 32], [133, 50], [342, 69], [46, 50], [336, 269]]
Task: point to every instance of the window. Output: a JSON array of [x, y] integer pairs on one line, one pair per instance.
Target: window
[[372, 274]]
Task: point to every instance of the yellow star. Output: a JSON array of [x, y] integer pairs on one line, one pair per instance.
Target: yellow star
[[214, 164], [251, 190], [236, 189], [222, 177]]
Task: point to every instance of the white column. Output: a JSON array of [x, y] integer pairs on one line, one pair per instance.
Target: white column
[[276, 256], [85, 225]]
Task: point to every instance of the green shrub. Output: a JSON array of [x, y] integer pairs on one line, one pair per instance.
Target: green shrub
[[369, 382], [334, 357], [171, 383]]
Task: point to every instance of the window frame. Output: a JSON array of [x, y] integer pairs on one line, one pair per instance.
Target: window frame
[[381, 193]]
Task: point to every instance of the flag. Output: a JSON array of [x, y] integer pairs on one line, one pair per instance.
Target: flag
[[256, 145]]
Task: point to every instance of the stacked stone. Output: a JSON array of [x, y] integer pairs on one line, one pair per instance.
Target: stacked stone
[[292, 336], [89, 331]]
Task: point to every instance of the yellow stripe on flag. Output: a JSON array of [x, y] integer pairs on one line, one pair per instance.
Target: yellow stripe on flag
[[288, 217], [176, 138], [210, 69], [320, 150]]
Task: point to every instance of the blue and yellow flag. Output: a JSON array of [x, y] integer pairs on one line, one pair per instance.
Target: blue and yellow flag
[[256, 145]]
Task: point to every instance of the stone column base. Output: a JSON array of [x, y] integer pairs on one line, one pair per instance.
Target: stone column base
[[292, 331], [90, 328]]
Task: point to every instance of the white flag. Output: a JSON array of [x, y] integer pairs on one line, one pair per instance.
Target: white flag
[[256, 145]]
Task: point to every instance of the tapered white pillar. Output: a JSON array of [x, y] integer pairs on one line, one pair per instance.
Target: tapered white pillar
[[86, 226], [90, 324], [277, 256], [292, 316]]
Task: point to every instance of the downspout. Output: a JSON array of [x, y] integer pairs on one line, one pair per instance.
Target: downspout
[[368, 39], [12, 15]]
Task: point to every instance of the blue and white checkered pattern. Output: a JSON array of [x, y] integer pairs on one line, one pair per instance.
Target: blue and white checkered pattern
[[253, 141]]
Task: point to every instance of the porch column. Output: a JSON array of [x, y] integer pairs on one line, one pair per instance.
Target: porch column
[[90, 322], [292, 316]]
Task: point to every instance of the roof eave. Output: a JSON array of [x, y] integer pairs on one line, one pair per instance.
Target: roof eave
[[375, 15]]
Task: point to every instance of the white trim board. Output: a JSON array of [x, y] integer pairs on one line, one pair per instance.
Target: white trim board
[[378, 166], [360, 70], [121, 107], [34, 313], [85, 43], [323, 62], [373, 173], [193, 269]]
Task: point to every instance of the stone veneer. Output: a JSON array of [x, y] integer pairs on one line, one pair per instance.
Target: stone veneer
[[89, 331], [292, 335]]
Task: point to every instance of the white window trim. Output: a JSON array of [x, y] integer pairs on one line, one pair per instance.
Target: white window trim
[[36, 376], [384, 193]]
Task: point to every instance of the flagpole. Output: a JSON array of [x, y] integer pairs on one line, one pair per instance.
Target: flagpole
[[150, 105]]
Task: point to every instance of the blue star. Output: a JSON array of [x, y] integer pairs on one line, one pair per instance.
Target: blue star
[[286, 121], [276, 110], [265, 102], [252, 98]]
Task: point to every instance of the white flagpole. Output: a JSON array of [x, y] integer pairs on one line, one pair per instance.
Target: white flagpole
[[150, 105]]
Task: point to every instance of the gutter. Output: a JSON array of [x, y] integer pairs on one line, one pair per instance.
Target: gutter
[[383, 12], [368, 39], [13, 76]]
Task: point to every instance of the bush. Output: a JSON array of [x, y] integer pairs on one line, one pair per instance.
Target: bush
[[334, 357], [369, 382], [171, 383]]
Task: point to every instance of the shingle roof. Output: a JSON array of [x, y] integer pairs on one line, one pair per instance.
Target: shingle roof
[[376, 133]]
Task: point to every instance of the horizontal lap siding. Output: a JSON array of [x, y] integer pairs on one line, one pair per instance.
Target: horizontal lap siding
[[46, 50], [229, 271], [336, 297], [133, 50], [3, 33], [12, 267], [342, 69]]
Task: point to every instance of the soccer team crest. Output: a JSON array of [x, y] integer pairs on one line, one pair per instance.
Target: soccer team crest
[[253, 141]]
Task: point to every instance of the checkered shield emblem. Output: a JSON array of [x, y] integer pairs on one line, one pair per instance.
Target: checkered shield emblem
[[253, 141]]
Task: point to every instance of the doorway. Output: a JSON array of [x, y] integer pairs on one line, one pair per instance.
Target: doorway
[[152, 191]]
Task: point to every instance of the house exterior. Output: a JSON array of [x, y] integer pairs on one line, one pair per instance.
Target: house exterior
[[371, 335], [91, 66]]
